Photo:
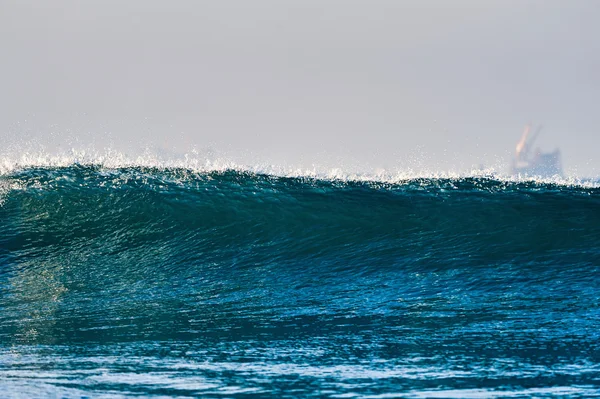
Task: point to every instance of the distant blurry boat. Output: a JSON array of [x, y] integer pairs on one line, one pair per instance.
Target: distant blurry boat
[[536, 163]]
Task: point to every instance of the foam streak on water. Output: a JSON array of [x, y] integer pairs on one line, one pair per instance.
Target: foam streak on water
[[120, 278]]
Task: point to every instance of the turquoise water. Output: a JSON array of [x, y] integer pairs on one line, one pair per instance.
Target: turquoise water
[[174, 283]]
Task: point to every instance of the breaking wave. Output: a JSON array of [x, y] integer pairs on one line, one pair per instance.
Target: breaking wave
[[193, 277]]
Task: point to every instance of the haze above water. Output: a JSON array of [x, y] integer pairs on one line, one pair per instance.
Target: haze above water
[[428, 85]]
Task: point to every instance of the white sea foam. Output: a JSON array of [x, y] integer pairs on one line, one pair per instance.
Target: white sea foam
[[206, 162]]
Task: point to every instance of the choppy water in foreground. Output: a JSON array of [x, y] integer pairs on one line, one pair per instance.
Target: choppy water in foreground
[[173, 283]]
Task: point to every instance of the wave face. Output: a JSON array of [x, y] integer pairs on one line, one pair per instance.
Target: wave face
[[170, 282]]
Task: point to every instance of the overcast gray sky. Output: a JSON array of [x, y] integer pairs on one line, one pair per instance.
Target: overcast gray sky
[[441, 85]]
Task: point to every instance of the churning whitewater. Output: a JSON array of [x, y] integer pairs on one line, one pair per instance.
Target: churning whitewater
[[179, 282]]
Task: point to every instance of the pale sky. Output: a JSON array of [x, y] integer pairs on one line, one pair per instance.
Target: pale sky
[[440, 85]]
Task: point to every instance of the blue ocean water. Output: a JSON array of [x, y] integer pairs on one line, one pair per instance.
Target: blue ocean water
[[155, 282]]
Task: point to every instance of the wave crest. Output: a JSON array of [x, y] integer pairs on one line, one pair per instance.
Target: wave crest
[[198, 162]]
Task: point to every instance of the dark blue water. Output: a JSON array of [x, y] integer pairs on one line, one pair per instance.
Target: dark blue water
[[171, 283]]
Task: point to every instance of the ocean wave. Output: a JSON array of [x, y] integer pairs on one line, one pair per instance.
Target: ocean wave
[[486, 285], [469, 219]]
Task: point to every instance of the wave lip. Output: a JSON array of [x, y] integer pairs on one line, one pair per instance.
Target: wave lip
[[207, 162]]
